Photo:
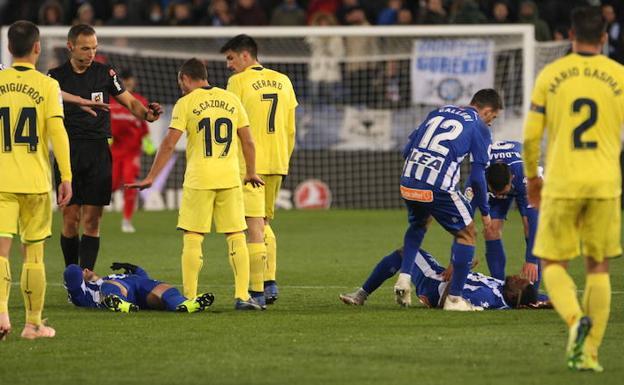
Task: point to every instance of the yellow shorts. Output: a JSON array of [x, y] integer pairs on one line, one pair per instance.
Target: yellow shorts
[[260, 201], [198, 207], [29, 215], [571, 227]]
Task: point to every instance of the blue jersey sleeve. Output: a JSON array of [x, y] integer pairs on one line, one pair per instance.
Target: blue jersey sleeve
[[519, 187], [481, 143], [479, 188], [480, 154], [74, 284]]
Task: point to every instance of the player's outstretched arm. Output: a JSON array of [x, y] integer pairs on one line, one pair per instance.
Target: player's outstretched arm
[[249, 152], [162, 157], [150, 113], [86, 105], [60, 145]]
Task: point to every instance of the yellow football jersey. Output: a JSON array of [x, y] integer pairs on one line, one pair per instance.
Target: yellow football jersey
[[579, 99], [27, 100], [210, 117], [270, 101]]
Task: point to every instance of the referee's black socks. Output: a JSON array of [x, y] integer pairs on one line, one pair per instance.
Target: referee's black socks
[[89, 247], [70, 248]]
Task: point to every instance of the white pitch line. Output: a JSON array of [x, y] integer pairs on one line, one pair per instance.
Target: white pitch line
[[304, 287]]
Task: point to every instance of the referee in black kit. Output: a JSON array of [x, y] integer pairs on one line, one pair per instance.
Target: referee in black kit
[[91, 160]]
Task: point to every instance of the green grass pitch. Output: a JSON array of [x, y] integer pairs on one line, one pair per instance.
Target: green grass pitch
[[308, 336]]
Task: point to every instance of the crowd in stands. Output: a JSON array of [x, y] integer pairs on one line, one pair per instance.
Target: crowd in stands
[[550, 17]]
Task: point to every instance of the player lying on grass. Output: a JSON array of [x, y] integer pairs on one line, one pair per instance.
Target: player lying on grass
[[432, 283], [128, 292]]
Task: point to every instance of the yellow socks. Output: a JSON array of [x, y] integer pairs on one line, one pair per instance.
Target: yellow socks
[[562, 293], [597, 305], [271, 250], [5, 284], [33, 282], [192, 263], [239, 260], [257, 261]]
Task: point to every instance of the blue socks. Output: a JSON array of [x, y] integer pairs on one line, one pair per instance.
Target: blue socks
[[462, 258], [496, 258], [411, 244], [172, 298], [384, 270]]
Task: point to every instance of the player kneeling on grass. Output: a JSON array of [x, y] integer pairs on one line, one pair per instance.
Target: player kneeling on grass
[[128, 292], [432, 283]]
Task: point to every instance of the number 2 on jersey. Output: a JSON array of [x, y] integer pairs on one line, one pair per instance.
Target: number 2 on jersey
[[271, 118], [587, 123], [220, 137], [28, 115]]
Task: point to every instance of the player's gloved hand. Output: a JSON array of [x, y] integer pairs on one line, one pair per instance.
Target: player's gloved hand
[[254, 179], [148, 146], [153, 112], [529, 271], [128, 267]]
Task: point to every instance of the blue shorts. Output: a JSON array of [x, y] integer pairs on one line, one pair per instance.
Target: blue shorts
[[138, 289], [500, 207], [451, 209]]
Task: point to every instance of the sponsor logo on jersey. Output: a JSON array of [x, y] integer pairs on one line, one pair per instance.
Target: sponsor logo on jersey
[[312, 194], [97, 97]]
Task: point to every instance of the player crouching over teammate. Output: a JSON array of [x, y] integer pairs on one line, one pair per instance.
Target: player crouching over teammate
[[128, 292], [431, 282]]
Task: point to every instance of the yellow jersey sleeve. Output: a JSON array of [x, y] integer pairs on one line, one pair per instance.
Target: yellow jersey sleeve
[[534, 127], [178, 116], [243, 118], [60, 145]]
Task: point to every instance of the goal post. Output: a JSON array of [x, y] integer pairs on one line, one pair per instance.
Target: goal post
[[360, 89]]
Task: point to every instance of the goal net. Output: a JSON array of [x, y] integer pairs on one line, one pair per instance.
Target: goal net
[[361, 92]]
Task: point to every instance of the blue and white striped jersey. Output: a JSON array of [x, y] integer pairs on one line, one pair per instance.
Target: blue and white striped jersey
[[438, 146], [88, 294], [479, 289]]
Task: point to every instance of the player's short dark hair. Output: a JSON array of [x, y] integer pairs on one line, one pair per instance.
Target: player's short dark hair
[[22, 38], [194, 69], [487, 97], [241, 43], [516, 297], [588, 24], [79, 29], [498, 175]]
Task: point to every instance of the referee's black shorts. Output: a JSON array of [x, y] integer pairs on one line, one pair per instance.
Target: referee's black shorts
[[92, 170]]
